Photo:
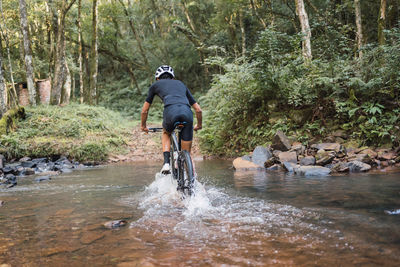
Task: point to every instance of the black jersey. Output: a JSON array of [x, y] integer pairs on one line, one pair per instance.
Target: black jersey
[[171, 92]]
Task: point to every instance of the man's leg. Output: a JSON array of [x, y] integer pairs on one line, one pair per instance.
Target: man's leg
[[166, 147]]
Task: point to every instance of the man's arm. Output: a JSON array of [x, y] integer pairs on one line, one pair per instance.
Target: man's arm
[[145, 112], [199, 116]]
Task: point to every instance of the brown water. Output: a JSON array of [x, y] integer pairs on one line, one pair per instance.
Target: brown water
[[247, 219]]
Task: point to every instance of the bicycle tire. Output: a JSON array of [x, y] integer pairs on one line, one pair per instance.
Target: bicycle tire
[[186, 172]]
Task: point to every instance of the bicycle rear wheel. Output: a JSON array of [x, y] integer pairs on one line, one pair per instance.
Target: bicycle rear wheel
[[186, 172]]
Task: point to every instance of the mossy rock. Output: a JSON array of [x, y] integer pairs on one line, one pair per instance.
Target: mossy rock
[[8, 121]]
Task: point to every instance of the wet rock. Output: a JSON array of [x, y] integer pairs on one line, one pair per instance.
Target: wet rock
[[274, 167], [312, 170], [288, 157], [340, 167], [289, 166], [29, 171], [24, 159], [269, 162], [66, 170], [241, 164], [28, 164], [115, 224], [42, 178], [261, 155], [280, 142], [7, 170], [358, 166], [307, 161]]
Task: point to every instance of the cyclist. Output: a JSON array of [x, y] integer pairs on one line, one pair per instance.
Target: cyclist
[[177, 101]]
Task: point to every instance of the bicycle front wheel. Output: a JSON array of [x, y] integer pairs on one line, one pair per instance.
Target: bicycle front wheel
[[186, 172]]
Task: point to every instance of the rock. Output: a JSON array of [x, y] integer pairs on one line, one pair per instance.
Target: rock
[[246, 157], [115, 224], [327, 146], [39, 160], [261, 155], [312, 171], [387, 156], [358, 166], [340, 167], [289, 166], [397, 159], [280, 142], [241, 164], [24, 159], [274, 167], [65, 170], [29, 171], [42, 178], [49, 173], [288, 157], [325, 160], [276, 153], [2, 161], [7, 170], [269, 162], [28, 164], [1, 203], [363, 158], [307, 161], [372, 154], [298, 148]]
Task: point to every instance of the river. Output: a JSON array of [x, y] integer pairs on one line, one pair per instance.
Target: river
[[235, 219]]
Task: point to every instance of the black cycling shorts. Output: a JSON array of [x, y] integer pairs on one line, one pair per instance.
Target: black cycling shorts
[[179, 113]]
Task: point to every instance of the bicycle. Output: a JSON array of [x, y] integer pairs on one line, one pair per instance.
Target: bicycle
[[180, 161]]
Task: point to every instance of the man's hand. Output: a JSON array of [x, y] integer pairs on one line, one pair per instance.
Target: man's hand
[[145, 129], [197, 127]]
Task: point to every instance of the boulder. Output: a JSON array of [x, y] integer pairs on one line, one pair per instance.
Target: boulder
[[24, 159], [246, 157], [298, 148], [261, 155], [327, 159], [372, 154], [358, 166], [241, 164], [40, 160], [387, 155], [307, 161], [280, 142], [2, 161], [288, 157], [312, 170]]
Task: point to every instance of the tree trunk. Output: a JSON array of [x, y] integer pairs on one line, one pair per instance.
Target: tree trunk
[[359, 35], [4, 35], [80, 53], [93, 57], [3, 91], [60, 70], [243, 33], [30, 79], [66, 92], [305, 29], [382, 23]]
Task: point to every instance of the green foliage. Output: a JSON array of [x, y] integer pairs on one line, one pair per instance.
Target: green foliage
[[84, 133]]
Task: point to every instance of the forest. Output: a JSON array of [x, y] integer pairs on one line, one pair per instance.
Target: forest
[[306, 67]]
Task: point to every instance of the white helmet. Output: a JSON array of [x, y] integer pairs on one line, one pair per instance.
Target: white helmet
[[164, 69]]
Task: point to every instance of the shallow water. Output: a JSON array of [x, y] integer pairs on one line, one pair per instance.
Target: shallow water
[[235, 219]]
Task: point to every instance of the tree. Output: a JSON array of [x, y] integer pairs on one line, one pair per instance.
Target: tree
[[305, 30], [27, 52], [94, 57], [382, 22], [359, 35], [60, 68], [3, 92], [80, 41]]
